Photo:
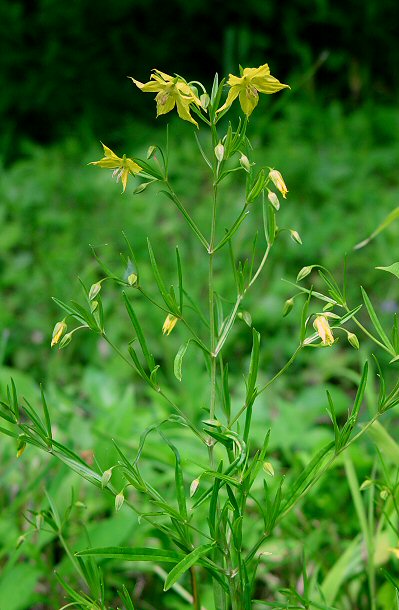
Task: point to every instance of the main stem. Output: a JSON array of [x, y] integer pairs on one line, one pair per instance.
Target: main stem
[[211, 287]]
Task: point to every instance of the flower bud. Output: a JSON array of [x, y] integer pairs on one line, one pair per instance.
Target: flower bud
[[246, 317], [353, 340], [193, 487], [119, 500], [106, 477], [59, 330], [205, 99], [94, 290], [66, 339], [278, 182], [272, 197], [244, 162], [268, 468], [150, 152], [303, 273], [219, 152], [288, 305], [296, 237], [367, 483], [21, 445], [132, 279]]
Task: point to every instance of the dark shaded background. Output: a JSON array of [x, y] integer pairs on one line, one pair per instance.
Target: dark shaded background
[[65, 63]]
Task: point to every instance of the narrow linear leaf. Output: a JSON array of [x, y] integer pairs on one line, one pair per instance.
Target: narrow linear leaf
[[185, 564], [177, 366], [375, 320], [133, 554]]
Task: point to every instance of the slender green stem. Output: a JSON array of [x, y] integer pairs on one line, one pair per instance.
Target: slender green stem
[[230, 322], [364, 524]]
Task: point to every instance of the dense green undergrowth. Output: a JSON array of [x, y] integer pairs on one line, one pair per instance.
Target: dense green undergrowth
[[341, 172]]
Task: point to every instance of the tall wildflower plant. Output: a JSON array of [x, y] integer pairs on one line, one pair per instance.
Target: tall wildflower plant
[[213, 533]]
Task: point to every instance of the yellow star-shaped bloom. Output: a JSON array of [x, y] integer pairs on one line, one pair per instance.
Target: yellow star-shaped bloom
[[122, 166], [171, 91], [247, 87]]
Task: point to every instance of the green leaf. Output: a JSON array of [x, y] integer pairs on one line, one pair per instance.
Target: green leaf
[[375, 321], [185, 564], [392, 216], [177, 366], [394, 269], [133, 554], [140, 335], [253, 367], [169, 302]]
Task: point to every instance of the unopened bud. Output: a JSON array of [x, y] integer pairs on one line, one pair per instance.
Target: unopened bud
[[366, 484], [288, 305], [141, 187], [66, 339], [244, 162], [353, 340], [272, 197], [58, 332], [150, 152], [21, 446], [119, 500], [219, 152], [268, 468], [94, 290], [246, 317], [303, 273], [132, 279], [106, 477], [296, 237], [205, 99], [193, 487]]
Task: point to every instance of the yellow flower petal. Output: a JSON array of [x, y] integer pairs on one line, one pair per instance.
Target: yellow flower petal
[[278, 182], [248, 99], [169, 324], [183, 110], [323, 330], [165, 101], [231, 96]]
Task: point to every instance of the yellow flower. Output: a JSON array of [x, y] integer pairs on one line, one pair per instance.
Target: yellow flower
[[171, 91], [58, 332], [122, 167], [278, 182], [323, 330], [169, 324], [247, 86]]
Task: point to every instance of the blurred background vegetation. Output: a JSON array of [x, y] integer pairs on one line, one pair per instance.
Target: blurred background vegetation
[[334, 137]]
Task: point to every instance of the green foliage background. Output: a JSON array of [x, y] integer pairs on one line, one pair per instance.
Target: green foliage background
[[63, 69]]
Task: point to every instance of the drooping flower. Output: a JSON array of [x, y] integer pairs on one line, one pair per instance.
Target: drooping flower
[[323, 330], [247, 87], [278, 182], [171, 91], [122, 166], [169, 324]]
